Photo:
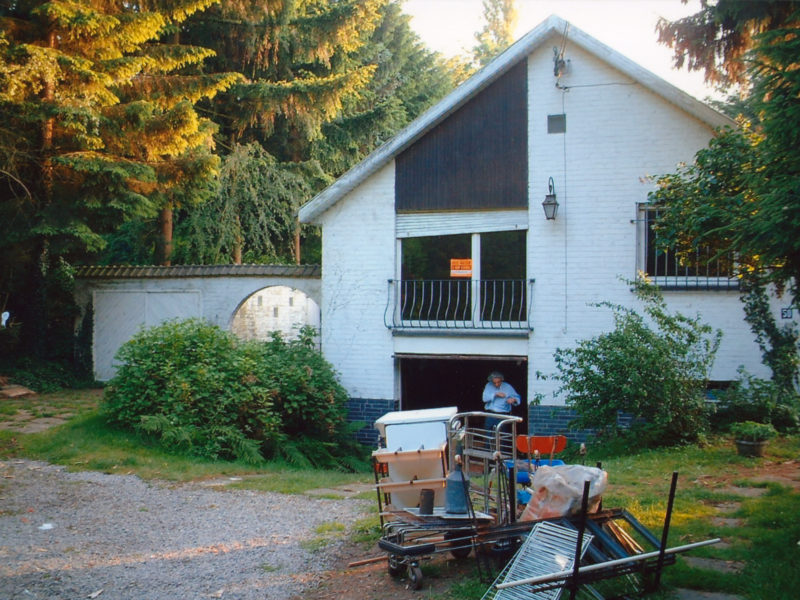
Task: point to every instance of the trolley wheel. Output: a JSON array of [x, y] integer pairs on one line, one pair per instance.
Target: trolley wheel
[[459, 552], [394, 567], [414, 577]]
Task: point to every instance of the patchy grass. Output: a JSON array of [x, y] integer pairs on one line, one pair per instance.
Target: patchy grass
[[325, 534], [366, 530], [87, 442], [65, 404], [286, 480]]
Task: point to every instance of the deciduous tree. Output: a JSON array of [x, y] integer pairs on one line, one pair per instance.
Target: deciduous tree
[[741, 194], [500, 18]]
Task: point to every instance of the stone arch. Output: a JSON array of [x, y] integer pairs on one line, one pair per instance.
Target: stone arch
[[282, 308]]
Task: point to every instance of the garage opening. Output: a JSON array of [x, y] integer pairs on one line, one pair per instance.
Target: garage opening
[[436, 381]]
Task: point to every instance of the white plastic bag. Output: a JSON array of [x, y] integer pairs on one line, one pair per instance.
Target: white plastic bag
[[557, 491]]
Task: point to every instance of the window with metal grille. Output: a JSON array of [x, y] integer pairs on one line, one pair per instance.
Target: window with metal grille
[[669, 270]]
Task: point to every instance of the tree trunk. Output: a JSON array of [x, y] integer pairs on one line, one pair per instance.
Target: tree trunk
[[165, 219], [297, 244], [239, 243], [41, 302]]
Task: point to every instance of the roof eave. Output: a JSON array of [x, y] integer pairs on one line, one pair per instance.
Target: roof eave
[[688, 103]]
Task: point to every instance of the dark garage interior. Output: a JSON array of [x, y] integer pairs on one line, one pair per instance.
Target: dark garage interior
[[432, 382]]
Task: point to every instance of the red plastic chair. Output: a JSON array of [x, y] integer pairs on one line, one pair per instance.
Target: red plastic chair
[[531, 445]]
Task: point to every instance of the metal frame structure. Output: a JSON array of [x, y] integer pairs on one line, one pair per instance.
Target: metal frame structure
[[408, 536]]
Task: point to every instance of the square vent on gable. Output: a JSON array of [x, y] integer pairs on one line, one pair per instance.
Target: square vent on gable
[[557, 123]]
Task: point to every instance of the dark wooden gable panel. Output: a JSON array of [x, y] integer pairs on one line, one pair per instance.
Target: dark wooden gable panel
[[475, 159]]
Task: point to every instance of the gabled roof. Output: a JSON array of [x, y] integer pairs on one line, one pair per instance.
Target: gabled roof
[[482, 79]]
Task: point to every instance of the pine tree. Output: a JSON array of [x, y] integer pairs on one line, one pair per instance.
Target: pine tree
[[251, 216], [409, 78], [716, 38], [96, 126], [294, 56]]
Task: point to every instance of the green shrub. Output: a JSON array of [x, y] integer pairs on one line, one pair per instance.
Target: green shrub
[[753, 399], [653, 369], [44, 376], [311, 403], [307, 395], [751, 431], [188, 384], [200, 390]]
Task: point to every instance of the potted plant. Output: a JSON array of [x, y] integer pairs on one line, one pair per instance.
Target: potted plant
[[751, 437]]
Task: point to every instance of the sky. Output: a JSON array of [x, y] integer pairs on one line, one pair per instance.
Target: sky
[[627, 26]]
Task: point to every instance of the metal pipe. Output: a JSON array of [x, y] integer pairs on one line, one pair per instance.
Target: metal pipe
[[603, 565], [579, 544], [665, 532]]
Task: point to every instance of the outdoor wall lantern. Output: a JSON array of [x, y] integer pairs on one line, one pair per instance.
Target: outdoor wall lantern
[[550, 205]]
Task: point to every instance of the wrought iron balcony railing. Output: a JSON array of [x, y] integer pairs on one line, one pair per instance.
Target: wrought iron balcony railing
[[495, 304]]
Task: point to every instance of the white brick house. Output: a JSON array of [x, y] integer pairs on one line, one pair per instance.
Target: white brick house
[[467, 180]]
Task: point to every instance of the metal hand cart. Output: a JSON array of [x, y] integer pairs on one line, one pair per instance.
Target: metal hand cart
[[412, 532]]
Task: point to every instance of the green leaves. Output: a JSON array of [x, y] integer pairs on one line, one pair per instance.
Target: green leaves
[[741, 194], [252, 214], [651, 367], [200, 390]]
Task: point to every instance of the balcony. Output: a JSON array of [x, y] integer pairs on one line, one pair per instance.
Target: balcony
[[496, 307]]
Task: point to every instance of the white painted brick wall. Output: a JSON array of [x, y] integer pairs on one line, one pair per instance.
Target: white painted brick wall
[[358, 258], [618, 134]]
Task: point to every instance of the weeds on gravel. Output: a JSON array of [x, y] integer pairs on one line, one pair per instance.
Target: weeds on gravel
[[367, 530], [325, 533]]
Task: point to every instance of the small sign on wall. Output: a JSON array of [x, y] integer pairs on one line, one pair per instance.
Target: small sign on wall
[[786, 313], [460, 267]]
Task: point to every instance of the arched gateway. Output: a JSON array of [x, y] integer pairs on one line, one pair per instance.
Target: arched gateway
[[121, 300]]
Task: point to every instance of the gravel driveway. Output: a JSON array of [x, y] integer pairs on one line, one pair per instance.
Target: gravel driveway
[[91, 535]]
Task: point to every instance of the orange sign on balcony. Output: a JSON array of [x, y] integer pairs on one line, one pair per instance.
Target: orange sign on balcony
[[460, 267]]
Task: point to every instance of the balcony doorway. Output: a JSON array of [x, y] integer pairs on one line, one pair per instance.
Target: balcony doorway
[[433, 382], [466, 280]]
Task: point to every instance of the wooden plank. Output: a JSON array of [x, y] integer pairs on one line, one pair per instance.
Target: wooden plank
[[399, 486]]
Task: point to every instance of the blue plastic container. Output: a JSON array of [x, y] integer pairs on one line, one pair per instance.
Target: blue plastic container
[[524, 477]]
